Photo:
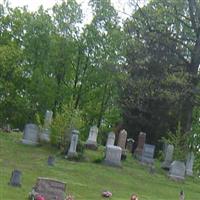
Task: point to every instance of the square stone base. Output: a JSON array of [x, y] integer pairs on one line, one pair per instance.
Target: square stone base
[[112, 164], [91, 146], [29, 142]]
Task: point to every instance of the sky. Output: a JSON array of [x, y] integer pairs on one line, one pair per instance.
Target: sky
[[120, 5]]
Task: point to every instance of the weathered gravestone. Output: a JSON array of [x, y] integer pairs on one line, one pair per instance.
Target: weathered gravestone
[[177, 170], [45, 135], [111, 139], [141, 142], [122, 142], [31, 134], [148, 154], [74, 141], [113, 155], [50, 189], [15, 179], [51, 160], [91, 142], [129, 145], [168, 156], [189, 164]]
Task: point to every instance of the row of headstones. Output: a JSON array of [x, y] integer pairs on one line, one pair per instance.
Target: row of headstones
[[177, 169], [32, 133]]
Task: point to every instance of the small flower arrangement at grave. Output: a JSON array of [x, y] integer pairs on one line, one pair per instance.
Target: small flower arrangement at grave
[[107, 194], [134, 197], [69, 197]]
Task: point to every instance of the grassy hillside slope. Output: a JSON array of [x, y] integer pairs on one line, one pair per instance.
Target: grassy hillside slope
[[85, 180]]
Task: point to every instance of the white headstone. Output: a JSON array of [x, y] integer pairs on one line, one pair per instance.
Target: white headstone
[[113, 155], [31, 134], [92, 139], [177, 170], [45, 135], [74, 141], [168, 156], [189, 164], [48, 119], [111, 139]]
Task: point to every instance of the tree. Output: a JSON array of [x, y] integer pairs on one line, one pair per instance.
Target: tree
[[162, 64]]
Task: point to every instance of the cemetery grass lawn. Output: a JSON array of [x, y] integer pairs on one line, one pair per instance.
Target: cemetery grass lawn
[[85, 180]]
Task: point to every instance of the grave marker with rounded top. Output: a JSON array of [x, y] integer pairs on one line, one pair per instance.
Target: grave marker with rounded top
[[31, 134], [141, 142], [15, 179], [45, 135], [177, 170], [122, 142], [111, 139]]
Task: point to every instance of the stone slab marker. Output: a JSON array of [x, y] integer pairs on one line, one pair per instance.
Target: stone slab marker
[[177, 170], [189, 164], [50, 189], [141, 142], [31, 134], [148, 154], [74, 141], [111, 139], [168, 156], [91, 142], [15, 179], [45, 135], [113, 156], [122, 141]]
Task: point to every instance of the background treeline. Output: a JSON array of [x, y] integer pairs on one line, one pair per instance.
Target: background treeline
[[141, 73]]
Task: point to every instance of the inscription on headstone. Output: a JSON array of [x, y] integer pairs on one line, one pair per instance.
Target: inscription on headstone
[[31, 134], [177, 170], [50, 189]]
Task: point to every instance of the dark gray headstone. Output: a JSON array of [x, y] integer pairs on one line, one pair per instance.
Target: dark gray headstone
[[148, 154], [15, 179], [51, 160]]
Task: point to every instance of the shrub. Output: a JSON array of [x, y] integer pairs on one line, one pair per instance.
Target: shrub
[[62, 125], [180, 143]]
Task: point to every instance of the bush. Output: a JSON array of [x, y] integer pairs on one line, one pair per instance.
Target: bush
[[64, 122], [180, 143]]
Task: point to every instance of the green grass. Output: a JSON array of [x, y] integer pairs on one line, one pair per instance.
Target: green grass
[[85, 180]]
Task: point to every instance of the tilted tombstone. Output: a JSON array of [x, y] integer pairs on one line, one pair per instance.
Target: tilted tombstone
[[15, 179], [45, 135], [51, 160], [168, 157], [91, 142], [177, 170], [141, 142], [113, 155], [122, 141], [148, 154], [189, 164], [50, 189], [129, 145], [74, 141], [31, 134], [111, 139]]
